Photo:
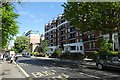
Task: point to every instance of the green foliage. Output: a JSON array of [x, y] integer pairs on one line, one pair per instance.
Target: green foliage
[[44, 46], [35, 53], [38, 54], [9, 26], [66, 55], [114, 52], [72, 56], [105, 46], [57, 53], [97, 16], [21, 43]]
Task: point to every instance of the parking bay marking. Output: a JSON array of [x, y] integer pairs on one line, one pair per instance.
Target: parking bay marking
[[89, 75], [42, 73], [46, 73]]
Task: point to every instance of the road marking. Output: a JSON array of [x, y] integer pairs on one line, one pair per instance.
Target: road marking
[[61, 68], [53, 70], [59, 76], [37, 74], [23, 64], [66, 76], [42, 73], [89, 75], [45, 67], [24, 72]]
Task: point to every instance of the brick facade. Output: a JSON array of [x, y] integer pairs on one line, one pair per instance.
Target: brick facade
[[59, 32]]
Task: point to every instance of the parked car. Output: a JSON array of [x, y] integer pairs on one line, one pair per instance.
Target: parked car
[[27, 55], [18, 55], [112, 61]]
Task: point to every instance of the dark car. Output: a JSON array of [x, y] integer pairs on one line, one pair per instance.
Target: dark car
[[112, 61]]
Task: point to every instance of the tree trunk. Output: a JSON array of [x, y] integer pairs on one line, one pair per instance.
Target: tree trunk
[[111, 41]]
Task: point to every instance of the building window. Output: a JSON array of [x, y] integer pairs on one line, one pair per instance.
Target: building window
[[116, 43], [68, 29], [81, 47], [61, 32], [80, 33], [51, 49], [72, 29], [77, 40], [55, 35], [69, 36], [72, 41], [94, 45], [51, 41], [62, 20], [51, 36], [77, 47], [63, 38], [73, 47], [90, 45], [51, 44], [77, 33], [89, 36], [51, 32], [80, 40]]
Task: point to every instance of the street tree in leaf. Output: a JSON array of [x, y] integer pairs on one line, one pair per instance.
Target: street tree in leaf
[[8, 27], [44, 45], [98, 16], [21, 44]]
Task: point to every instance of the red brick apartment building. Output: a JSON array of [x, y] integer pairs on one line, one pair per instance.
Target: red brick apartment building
[[92, 44], [59, 32]]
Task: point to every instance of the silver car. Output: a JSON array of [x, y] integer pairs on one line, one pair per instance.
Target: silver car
[[108, 61]]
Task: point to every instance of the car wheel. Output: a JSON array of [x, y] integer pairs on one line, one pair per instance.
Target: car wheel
[[100, 66]]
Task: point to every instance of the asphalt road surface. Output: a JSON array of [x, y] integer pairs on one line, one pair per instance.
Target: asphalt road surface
[[51, 69]]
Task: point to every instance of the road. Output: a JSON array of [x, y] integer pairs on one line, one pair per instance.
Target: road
[[44, 68]]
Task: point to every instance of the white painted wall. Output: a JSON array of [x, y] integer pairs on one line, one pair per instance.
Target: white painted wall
[[68, 47]]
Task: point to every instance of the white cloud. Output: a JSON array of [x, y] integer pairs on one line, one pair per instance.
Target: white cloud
[[24, 13]]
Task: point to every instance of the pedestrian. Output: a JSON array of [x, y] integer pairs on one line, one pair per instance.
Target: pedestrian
[[12, 58], [2, 57]]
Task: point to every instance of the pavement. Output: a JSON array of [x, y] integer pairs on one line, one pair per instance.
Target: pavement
[[10, 71]]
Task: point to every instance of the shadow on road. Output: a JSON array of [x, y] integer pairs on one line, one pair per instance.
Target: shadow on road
[[49, 63], [111, 70]]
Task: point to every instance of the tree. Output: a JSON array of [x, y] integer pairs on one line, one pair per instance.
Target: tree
[[44, 45], [98, 16], [104, 46], [21, 43], [8, 27], [57, 53]]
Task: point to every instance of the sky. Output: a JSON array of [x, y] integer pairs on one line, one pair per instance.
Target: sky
[[34, 15]]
